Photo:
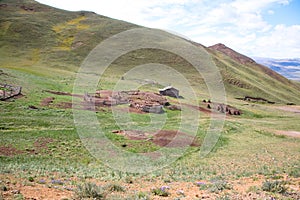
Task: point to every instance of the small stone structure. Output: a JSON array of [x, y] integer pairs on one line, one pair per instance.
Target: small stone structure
[[8, 91], [143, 101], [153, 109]]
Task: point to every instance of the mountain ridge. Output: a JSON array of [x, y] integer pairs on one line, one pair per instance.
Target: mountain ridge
[[232, 53]]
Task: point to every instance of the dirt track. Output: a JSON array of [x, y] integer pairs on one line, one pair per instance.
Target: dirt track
[[289, 133], [293, 109]]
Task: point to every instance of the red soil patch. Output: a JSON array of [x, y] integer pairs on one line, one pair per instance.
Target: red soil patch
[[163, 138], [9, 151], [39, 145], [174, 139], [64, 105], [42, 143], [293, 109], [40, 192], [47, 101]]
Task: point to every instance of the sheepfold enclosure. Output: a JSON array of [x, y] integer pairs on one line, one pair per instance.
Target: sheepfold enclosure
[[147, 102], [8, 91]]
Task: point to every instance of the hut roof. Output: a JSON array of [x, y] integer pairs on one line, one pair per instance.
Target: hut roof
[[167, 88]]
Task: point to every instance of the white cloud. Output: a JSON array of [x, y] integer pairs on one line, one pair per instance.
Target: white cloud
[[237, 23], [282, 39]]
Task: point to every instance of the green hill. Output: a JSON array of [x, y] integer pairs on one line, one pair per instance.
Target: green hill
[[42, 40]]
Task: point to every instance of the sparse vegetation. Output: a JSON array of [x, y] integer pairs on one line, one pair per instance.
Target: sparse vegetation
[[142, 196], [3, 188], [90, 190], [162, 191], [274, 186], [30, 179], [295, 172], [115, 187], [219, 185]]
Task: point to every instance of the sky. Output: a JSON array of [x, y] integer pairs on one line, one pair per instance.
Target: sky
[[256, 28]]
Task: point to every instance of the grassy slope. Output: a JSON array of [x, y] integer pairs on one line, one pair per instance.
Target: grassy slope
[[67, 38], [39, 51]]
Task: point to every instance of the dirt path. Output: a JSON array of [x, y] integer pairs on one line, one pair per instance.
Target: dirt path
[[293, 109], [289, 133]]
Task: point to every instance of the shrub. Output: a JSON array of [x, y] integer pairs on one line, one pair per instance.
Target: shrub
[[219, 186], [202, 185], [253, 189], [129, 179], [295, 173], [224, 198], [142, 196], [162, 191], [90, 190], [275, 186], [3, 188], [114, 187], [18, 197], [30, 179]]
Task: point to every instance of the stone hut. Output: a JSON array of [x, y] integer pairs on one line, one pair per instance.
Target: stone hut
[[169, 91], [153, 109]]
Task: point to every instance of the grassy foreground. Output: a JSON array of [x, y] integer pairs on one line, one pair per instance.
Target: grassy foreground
[[40, 148]]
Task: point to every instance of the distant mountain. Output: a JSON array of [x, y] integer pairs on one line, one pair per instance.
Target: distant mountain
[[245, 60], [290, 68], [232, 54]]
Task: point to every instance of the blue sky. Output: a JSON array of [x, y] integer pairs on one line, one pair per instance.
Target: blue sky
[[288, 14], [257, 28]]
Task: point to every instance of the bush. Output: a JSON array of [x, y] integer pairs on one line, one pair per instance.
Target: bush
[[224, 198], [90, 190], [115, 188], [142, 196], [275, 186], [253, 189], [162, 191], [295, 173], [201, 185], [129, 179], [3, 188], [30, 179], [219, 186]]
